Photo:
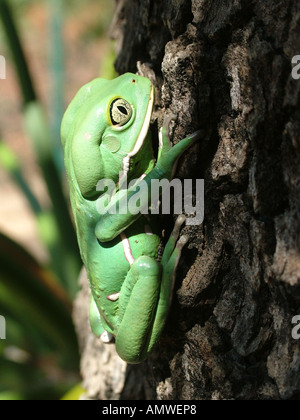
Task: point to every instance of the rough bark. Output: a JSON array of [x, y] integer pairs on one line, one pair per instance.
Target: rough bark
[[225, 66]]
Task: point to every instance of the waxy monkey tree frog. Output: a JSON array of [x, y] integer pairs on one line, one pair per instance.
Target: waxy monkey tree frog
[[105, 135]]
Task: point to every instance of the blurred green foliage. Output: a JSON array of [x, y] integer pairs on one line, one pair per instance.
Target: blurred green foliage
[[39, 358]]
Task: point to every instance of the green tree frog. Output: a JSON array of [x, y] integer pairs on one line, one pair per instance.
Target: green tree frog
[[105, 135]]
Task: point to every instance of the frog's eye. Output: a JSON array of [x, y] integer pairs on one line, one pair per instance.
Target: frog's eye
[[120, 111]]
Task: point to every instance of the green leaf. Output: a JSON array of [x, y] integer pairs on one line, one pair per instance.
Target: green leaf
[[74, 394], [36, 300], [39, 132]]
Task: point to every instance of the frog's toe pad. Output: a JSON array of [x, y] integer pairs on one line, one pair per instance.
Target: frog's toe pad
[[106, 337], [183, 240], [180, 221]]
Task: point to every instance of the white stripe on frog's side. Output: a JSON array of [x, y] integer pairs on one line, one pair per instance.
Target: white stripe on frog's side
[[127, 248], [140, 140]]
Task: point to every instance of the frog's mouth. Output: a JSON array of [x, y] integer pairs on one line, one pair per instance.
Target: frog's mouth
[[139, 142]]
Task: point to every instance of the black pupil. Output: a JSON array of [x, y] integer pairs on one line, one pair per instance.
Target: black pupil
[[123, 110]]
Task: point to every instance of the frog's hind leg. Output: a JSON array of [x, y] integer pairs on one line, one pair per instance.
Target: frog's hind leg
[[97, 324], [144, 300], [137, 304]]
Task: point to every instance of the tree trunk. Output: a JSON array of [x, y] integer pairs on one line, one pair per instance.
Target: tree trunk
[[224, 66]]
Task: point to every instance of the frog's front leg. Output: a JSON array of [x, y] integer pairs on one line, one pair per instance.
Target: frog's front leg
[[145, 299], [112, 224]]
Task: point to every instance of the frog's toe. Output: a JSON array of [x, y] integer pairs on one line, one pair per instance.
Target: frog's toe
[[106, 337], [168, 118], [182, 241], [177, 227], [180, 221]]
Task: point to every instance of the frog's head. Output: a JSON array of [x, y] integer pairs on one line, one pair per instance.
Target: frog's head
[[105, 132]]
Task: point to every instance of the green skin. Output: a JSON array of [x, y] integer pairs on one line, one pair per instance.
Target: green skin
[[103, 138]]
